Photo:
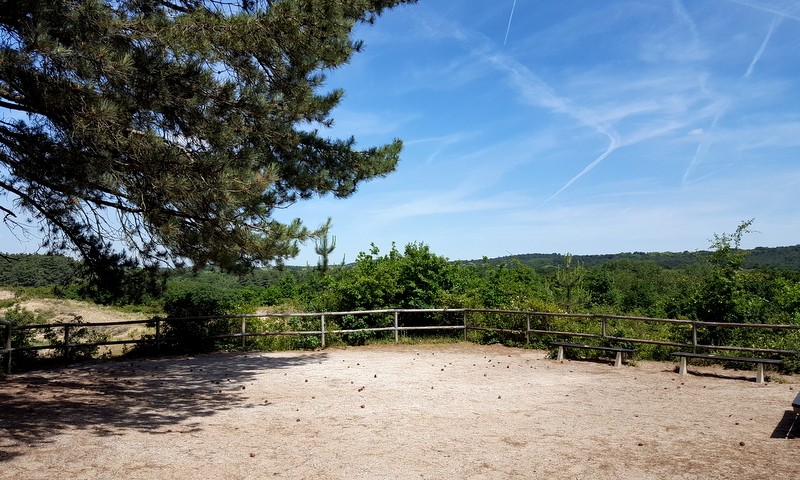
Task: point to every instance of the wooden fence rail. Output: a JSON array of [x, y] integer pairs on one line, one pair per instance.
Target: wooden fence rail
[[467, 323]]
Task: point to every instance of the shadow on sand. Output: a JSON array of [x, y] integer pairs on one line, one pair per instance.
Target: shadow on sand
[[145, 395], [728, 374], [788, 427]]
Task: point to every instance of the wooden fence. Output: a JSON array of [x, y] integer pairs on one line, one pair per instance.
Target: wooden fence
[[524, 324]]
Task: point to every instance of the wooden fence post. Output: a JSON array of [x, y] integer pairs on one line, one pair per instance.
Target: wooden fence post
[[396, 323], [694, 337], [465, 325], [244, 332], [605, 320], [8, 347], [158, 334], [527, 329], [66, 343], [322, 329]]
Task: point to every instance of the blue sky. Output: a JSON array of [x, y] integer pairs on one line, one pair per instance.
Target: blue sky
[[578, 126], [573, 126]]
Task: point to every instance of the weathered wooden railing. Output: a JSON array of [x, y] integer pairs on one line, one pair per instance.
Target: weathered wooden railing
[[466, 323]]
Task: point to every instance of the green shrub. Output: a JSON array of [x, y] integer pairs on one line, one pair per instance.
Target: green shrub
[[79, 333], [305, 342], [22, 338], [513, 322], [8, 302], [352, 322], [791, 364], [186, 299], [189, 299]]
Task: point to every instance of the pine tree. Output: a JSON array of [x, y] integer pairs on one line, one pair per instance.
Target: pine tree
[[324, 246], [570, 278], [170, 130]]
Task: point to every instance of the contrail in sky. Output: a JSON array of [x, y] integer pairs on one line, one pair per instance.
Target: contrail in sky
[[613, 145], [680, 11], [775, 22], [706, 142], [768, 8], [508, 29], [537, 92]]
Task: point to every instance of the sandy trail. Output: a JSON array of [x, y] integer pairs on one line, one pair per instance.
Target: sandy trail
[[422, 411]]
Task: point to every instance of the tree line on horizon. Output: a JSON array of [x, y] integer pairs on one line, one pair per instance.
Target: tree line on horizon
[[783, 257], [716, 287], [54, 270]]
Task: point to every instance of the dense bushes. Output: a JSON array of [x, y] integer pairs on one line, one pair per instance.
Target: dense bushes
[[22, 338], [715, 289], [80, 340], [209, 294]]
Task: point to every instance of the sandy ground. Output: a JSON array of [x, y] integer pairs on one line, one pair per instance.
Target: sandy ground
[[58, 310], [63, 310], [422, 411]]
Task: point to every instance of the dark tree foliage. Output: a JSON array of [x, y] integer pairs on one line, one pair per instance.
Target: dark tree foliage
[[716, 301], [784, 258], [17, 270], [155, 131], [413, 278]]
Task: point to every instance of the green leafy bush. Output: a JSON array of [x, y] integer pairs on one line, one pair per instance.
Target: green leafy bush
[[791, 364], [187, 299], [353, 322], [20, 317], [81, 336]]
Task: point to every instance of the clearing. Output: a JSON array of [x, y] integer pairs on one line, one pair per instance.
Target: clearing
[[405, 411]]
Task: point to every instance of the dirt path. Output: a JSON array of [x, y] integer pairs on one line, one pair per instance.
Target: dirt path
[[57, 310], [438, 411], [63, 310]]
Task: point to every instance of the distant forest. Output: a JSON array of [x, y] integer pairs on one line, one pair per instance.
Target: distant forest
[[759, 257], [724, 284], [37, 270]]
